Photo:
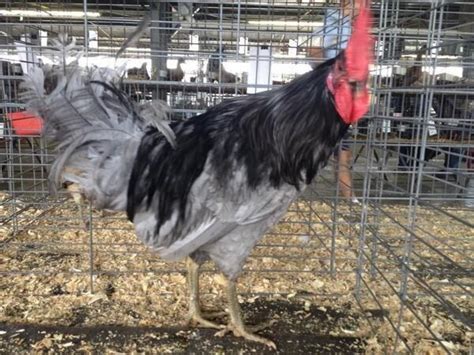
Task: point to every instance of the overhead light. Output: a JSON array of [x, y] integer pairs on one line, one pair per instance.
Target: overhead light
[[52, 13], [285, 23]]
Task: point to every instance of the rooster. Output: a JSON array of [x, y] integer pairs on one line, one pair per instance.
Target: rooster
[[216, 71], [211, 186]]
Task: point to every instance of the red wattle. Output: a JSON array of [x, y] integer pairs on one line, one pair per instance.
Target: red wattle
[[360, 106], [343, 100], [350, 108]]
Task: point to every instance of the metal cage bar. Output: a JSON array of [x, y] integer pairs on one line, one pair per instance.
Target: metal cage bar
[[402, 249]]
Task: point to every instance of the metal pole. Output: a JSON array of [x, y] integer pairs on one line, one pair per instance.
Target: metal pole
[[86, 31]]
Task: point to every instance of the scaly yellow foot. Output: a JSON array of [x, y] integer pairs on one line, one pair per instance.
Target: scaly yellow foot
[[240, 331]]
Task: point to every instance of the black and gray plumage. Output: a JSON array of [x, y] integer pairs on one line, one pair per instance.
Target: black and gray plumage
[[213, 186]]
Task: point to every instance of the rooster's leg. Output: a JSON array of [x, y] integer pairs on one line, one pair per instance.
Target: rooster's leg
[[195, 315], [236, 325], [85, 221], [76, 195], [79, 202]]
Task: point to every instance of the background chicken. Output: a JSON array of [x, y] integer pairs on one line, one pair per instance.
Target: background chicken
[[216, 71], [211, 187]]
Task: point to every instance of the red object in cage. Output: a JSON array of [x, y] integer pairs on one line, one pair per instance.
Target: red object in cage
[[25, 123]]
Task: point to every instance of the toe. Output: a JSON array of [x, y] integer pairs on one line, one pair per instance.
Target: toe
[[262, 326], [198, 321], [243, 333], [258, 339], [222, 332]]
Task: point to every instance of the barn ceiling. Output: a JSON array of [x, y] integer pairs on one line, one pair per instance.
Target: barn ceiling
[[213, 21]]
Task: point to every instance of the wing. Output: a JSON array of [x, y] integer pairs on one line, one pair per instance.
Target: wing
[[213, 211]]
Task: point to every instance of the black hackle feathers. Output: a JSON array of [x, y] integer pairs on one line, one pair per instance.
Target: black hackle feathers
[[279, 136]]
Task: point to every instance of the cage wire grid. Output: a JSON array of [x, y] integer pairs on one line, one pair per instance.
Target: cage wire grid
[[399, 263]]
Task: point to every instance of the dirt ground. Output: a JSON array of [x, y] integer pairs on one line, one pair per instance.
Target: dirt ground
[[296, 331], [301, 279]]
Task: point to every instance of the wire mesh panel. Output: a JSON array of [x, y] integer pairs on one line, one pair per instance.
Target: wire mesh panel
[[415, 252], [375, 256]]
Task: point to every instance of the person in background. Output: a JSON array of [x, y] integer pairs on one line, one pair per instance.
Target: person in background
[[337, 30], [343, 156]]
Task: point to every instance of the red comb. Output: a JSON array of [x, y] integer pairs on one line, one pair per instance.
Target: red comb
[[359, 49]]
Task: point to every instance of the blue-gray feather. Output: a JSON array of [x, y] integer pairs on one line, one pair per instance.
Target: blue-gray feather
[[96, 127], [209, 187]]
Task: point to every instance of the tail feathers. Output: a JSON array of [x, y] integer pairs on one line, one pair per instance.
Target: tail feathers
[[34, 92], [101, 170], [96, 127], [80, 101], [155, 114]]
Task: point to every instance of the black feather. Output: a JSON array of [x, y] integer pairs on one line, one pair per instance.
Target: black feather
[[279, 136]]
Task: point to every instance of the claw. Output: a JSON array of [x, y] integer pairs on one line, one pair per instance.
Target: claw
[[195, 320], [262, 326], [242, 332]]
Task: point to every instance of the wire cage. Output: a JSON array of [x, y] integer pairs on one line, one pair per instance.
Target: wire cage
[[387, 269]]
